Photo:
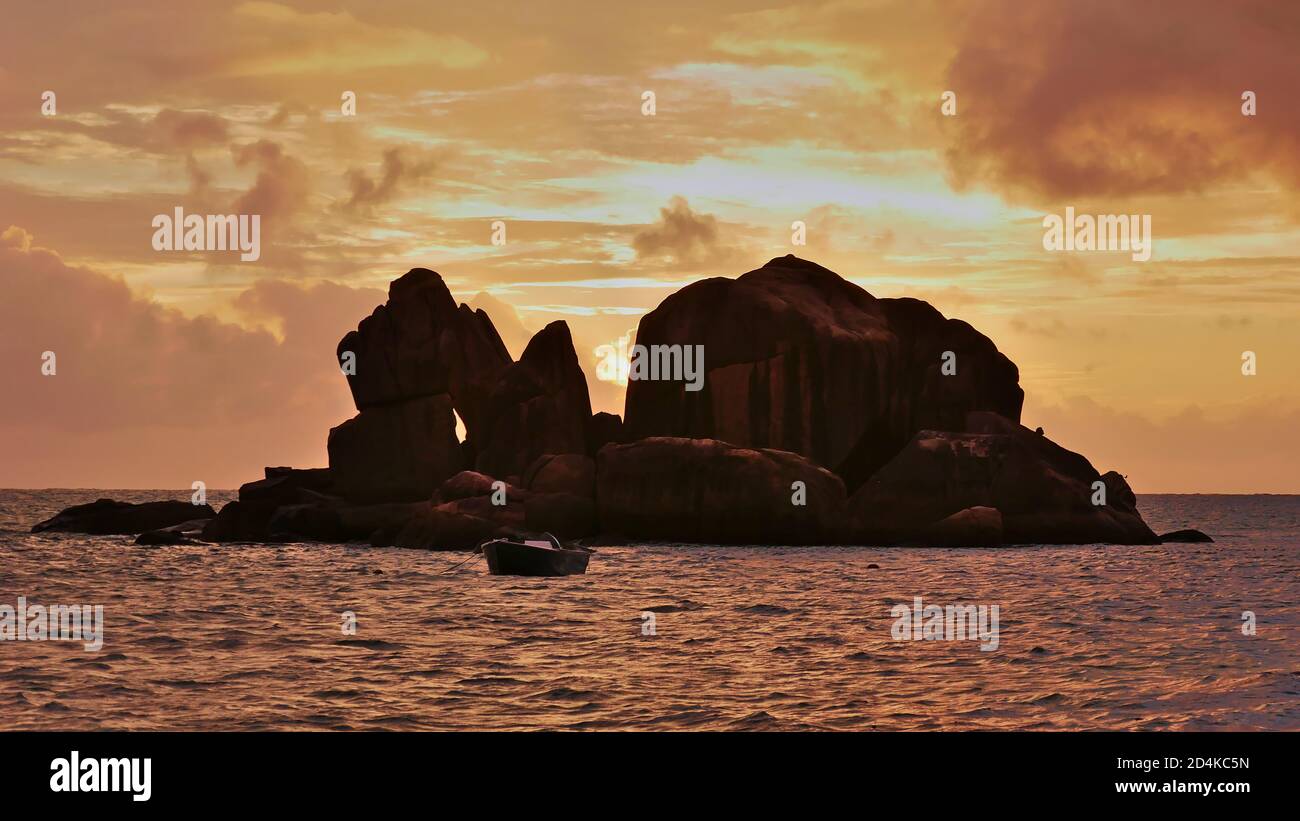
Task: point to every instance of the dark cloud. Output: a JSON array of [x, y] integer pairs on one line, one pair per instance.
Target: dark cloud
[[191, 129], [308, 317], [145, 396], [683, 236], [200, 180], [167, 132], [282, 184], [398, 171], [1116, 98], [286, 113]]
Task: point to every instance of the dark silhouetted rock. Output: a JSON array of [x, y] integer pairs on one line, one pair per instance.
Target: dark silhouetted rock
[[811, 385], [800, 359], [539, 405], [563, 514], [241, 522], [420, 344], [1188, 535], [468, 453], [972, 527], [157, 538], [393, 453], [702, 490], [309, 522], [463, 485], [1117, 490], [106, 517], [1043, 491], [509, 515], [434, 528], [183, 533], [361, 522], [604, 429], [419, 360], [328, 520], [571, 473], [283, 485]]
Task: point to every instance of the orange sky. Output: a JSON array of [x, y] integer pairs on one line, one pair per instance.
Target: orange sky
[[176, 367]]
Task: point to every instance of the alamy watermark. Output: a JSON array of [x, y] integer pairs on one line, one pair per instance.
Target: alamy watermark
[[621, 361], [77, 774], [57, 622], [1104, 232], [211, 232]]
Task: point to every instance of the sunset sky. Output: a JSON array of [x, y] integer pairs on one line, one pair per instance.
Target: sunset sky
[[176, 367]]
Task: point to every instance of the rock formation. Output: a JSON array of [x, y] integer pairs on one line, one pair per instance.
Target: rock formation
[[420, 344], [971, 527], [397, 452], [826, 415], [604, 429], [1044, 493], [539, 405], [704, 490], [570, 473], [800, 359], [412, 365], [248, 518], [1186, 536], [106, 517], [183, 533]]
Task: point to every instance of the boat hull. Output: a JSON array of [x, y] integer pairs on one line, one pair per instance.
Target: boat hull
[[513, 559]]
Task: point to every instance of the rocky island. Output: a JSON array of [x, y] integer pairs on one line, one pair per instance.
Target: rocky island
[[826, 416]]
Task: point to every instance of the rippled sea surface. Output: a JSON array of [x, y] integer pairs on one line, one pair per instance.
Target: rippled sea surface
[[243, 638]]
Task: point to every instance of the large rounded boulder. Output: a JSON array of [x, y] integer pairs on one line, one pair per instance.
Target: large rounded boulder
[[797, 358]]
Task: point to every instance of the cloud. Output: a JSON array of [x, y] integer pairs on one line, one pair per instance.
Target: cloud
[[161, 132], [398, 171], [685, 237], [1054, 327], [286, 112], [307, 316], [144, 396], [191, 129], [16, 239], [1250, 448], [505, 319], [1113, 98], [339, 42], [200, 180], [282, 184]]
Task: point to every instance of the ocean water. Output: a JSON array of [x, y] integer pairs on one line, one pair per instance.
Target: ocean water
[[251, 638]]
